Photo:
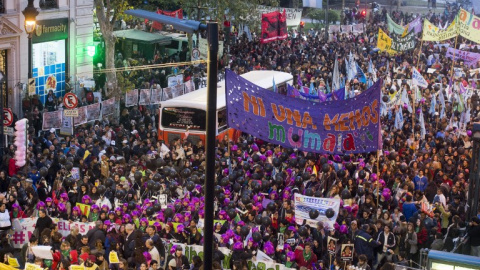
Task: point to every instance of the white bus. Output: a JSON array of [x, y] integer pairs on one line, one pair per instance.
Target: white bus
[[189, 110]]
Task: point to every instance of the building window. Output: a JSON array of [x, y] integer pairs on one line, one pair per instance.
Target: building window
[[48, 4], [2, 6]]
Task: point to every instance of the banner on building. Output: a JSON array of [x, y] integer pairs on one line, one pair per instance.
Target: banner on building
[[469, 58], [82, 116], [342, 126], [274, 27], [172, 92], [433, 33], [131, 98], [145, 95], [93, 112], [303, 205], [156, 96], [52, 120], [108, 106]]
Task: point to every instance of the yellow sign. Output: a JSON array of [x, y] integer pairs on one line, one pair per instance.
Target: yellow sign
[[13, 262], [77, 267], [384, 42], [51, 83], [6, 267], [433, 33], [70, 113], [468, 25], [113, 257], [84, 208], [31, 266]]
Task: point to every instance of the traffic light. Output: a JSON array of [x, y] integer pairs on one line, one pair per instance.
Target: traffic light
[[21, 131], [364, 13], [91, 50]]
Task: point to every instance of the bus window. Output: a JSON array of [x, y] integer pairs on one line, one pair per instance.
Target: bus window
[[180, 118], [173, 45], [222, 120]]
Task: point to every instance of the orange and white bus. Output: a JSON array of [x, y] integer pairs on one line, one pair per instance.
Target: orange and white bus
[[189, 110]]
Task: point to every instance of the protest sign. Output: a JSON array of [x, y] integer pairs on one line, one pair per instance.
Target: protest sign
[[332, 245], [42, 252], [261, 256], [75, 173], [174, 80], [469, 58], [347, 252], [113, 257], [93, 112], [433, 33], [468, 25], [52, 120], [67, 125], [303, 205], [274, 27], [156, 96], [77, 267], [144, 97], [13, 262], [108, 106], [384, 42], [31, 266], [64, 226], [82, 116], [347, 29], [394, 28], [401, 44], [84, 208], [189, 86], [131, 98], [172, 92], [293, 15], [334, 29], [343, 126], [417, 78], [358, 28]]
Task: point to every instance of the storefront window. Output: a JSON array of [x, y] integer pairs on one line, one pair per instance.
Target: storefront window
[[49, 68], [3, 68]]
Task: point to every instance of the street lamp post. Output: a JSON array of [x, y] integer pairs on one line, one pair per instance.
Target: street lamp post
[[30, 13]]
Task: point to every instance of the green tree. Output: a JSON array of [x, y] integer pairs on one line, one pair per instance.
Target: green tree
[[108, 12], [318, 17]]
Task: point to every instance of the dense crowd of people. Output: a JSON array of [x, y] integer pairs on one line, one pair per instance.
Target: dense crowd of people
[[124, 170]]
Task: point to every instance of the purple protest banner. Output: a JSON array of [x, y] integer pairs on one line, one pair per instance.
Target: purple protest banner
[[470, 58], [338, 127]]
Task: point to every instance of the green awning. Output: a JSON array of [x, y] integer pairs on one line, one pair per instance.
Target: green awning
[[142, 36]]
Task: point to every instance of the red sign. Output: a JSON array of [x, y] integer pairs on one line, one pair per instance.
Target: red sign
[[70, 101], [7, 117]]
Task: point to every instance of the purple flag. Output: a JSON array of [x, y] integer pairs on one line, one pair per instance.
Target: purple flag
[[333, 127]]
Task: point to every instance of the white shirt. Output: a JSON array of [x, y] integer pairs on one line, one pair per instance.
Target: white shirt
[[155, 255]]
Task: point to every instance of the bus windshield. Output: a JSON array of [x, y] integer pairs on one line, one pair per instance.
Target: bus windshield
[[180, 118]]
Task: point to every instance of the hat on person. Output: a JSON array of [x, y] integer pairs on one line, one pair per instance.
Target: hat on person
[[124, 141], [134, 132]]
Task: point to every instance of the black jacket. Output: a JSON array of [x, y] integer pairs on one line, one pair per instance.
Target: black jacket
[[95, 235], [185, 264]]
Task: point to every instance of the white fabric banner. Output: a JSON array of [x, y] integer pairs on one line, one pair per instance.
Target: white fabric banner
[[108, 106], [189, 86], [174, 80], [417, 78], [303, 205], [82, 116], [172, 92], [156, 96], [93, 112]]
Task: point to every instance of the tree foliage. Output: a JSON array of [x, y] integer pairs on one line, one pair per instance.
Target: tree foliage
[[318, 17]]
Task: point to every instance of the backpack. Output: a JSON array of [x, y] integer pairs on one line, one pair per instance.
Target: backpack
[[89, 97]]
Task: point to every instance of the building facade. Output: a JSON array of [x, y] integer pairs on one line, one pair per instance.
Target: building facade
[[59, 48]]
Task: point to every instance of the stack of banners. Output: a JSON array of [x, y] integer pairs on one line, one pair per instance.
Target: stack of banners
[[82, 116], [189, 86], [469, 58], [172, 92], [93, 112], [131, 98], [174, 80], [156, 96], [358, 28], [333, 29], [195, 250], [342, 126], [384, 42], [23, 229], [393, 27], [433, 33], [175, 14], [347, 29], [274, 27], [468, 25], [145, 95], [404, 43], [303, 205], [293, 15], [108, 106], [52, 120]]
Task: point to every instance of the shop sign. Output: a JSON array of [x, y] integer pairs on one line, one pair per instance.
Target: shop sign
[[50, 30]]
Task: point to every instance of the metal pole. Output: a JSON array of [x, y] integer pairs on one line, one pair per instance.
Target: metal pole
[[212, 69], [30, 56], [1, 119]]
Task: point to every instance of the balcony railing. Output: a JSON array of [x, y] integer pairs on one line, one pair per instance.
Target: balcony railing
[[48, 4]]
